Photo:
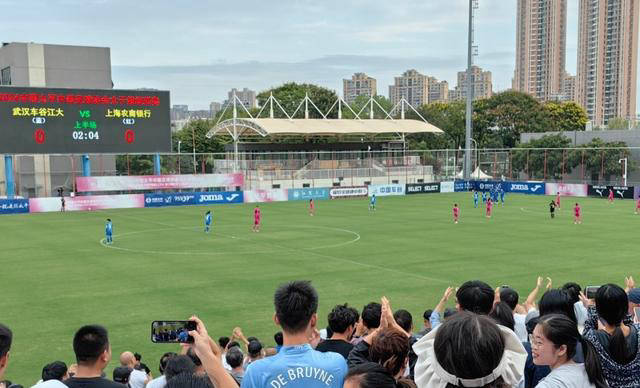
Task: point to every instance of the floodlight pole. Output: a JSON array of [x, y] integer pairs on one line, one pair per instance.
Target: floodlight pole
[[624, 174], [475, 143], [467, 144]]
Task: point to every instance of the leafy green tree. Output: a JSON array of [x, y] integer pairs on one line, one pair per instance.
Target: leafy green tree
[[361, 106], [601, 162], [618, 123], [549, 163], [195, 131], [448, 116], [291, 94], [509, 114], [566, 116], [134, 164], [228, 113]]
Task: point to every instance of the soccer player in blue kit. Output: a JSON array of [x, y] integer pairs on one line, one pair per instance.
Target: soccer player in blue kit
[[372, 202], [208, 218], [108, 231], [475, 199]]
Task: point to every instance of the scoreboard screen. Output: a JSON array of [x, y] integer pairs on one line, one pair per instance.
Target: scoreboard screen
[[74, 121]]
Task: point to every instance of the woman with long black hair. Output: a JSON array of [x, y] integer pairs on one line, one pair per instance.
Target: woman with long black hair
[[554, 343], [616, 339]]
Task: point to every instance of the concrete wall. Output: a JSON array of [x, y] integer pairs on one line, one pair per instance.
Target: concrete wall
[[57, 66], [77, 67], [15, 56]]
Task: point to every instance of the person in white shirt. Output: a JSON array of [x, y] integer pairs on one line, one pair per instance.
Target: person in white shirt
[[161, 382], [554, 342], [138, 379], [510, 297]]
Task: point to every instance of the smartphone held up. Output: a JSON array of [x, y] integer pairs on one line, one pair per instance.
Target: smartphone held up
[[172, 331], [591, 291]]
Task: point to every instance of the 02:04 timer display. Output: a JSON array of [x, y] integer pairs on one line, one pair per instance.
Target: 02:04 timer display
[[90, 135]]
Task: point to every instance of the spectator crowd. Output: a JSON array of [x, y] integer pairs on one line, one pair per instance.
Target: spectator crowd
[[555, 337]]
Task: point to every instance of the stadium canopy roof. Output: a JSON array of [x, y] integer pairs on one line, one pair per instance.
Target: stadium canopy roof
[[253, 127], [321, 127], [290, 125]]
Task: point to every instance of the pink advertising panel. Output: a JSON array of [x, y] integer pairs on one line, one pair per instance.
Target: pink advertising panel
[[566, 189], [274, 195], [89, 202], [155, 182]]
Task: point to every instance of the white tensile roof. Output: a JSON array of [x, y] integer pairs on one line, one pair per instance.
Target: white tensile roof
[[322, 127]]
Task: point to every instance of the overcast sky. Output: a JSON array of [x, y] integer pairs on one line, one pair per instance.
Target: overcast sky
[[199, 49]]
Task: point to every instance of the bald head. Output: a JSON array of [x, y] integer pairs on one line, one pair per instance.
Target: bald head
[[127, 359]]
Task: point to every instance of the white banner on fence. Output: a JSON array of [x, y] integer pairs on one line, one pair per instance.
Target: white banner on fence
[[348, 192], [447, 187], [384, 190], [274, 195], [155, 182], [566, 189]]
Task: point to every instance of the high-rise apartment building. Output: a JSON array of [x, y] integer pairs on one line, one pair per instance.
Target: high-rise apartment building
[[411, 85], [569, 87], [607, 58], [541, 30], [360, 84], [438, 90], [248, 97], [482, 84], [214, 108], [179, 112]]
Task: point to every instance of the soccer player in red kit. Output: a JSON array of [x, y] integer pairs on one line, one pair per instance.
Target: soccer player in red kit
[[256, 219], [312, 208], [489, 207], [610, 196], [558, 200], [456, 213], [637, 205], [577, 214]]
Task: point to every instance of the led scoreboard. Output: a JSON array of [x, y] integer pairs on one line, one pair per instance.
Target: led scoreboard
[[74, 121]]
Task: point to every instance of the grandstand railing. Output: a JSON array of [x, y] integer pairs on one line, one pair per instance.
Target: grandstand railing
[[339, 173]]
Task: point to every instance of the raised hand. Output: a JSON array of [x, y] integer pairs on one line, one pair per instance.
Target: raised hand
[[586, 302], [389, 319], [629, 283], [496, 296], [447, 293]]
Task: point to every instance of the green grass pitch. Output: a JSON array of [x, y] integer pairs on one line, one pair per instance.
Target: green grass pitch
[[56, 275]]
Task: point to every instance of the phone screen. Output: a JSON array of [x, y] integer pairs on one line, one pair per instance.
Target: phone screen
[[591, 291], [172, 331]]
